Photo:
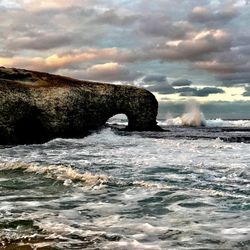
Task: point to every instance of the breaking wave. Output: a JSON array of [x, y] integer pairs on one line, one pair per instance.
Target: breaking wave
[[69, 176], [66, 174], [194, 117], [212, 123]]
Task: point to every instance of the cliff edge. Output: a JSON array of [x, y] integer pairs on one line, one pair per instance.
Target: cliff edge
[[36, 107]]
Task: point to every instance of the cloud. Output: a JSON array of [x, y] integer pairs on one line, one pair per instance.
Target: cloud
[[34, 5], [181, 82], [106, 72], [163, 89], [113, 17], [154, 78], [203, 15], [110, 72], [208, 91], [236, 78], [231, 68], [40, 42], [157, 83], [209, 39], [203, 43], [161, 26], [201, 46], [217, 67], [49, 29], [203, 92], [54, 62]]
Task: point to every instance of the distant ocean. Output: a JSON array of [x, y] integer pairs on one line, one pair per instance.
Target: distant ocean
[[186, 188]]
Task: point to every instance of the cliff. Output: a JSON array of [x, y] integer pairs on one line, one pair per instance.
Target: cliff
[[36, 107]]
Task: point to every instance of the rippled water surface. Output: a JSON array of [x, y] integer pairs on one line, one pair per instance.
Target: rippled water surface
[[113, 190]]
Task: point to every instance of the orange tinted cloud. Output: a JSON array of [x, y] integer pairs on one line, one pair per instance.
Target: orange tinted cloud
[[216, 67], [110, 72], [48, 4], [57, 61]]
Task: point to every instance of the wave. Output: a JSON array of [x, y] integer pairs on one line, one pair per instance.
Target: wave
[[193, 117], [212, 123], [195, 120], [228, 123], [63, 173], [71, 177]]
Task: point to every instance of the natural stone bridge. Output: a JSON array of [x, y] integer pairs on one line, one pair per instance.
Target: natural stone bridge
[[36, 107]]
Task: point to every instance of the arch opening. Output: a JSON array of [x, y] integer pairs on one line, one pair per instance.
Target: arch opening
[[118, 120]]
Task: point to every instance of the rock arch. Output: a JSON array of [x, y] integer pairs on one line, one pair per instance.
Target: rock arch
[[59, 106]]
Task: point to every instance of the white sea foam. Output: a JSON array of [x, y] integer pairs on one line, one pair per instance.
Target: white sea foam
[[196, 119], [66, 174], [133, 245], [228, 123], [70, 176]]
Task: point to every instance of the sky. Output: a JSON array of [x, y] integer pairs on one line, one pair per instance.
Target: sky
[[177, 49]]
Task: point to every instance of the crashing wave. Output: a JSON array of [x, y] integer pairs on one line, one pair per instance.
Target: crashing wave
[[193, 117], [66, 174]]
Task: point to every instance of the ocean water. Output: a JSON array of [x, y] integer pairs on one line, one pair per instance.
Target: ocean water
[[186, 188]]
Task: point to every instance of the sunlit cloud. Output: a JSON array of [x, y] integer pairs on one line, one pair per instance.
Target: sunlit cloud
[[195, 42], [57, 61], [34, 5]]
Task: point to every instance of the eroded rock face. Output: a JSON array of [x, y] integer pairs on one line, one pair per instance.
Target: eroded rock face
[[36, 107]]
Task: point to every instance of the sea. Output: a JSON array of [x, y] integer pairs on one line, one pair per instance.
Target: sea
[[187, 187]]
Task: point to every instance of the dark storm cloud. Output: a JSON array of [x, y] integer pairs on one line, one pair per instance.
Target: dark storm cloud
[[209, 90], [181, 82], [235, 78], [199, 92], [157, 83], [154, 78], [164, 88], [186, 90]]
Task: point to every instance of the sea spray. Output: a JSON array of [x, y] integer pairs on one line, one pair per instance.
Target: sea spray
[[193, 116]]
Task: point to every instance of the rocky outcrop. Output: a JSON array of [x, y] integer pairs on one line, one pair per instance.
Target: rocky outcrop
[[36, 107]]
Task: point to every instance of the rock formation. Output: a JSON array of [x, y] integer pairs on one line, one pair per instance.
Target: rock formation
[[36, 107]]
